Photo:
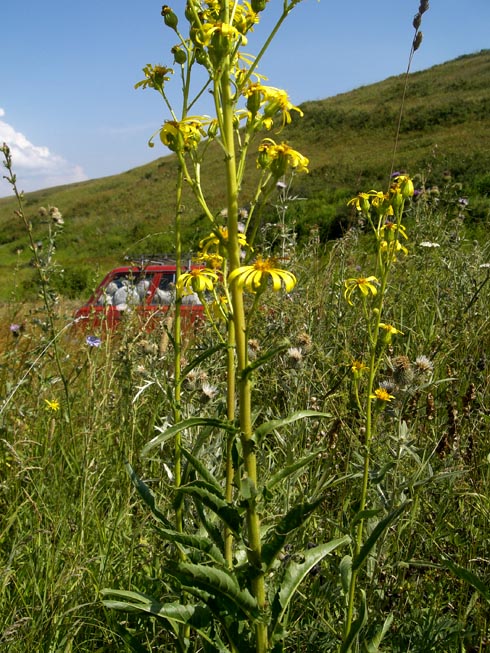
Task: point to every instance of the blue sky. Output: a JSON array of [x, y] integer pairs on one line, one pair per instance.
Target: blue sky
[[68, 108]]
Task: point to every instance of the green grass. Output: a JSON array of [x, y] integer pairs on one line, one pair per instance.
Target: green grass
[[72, 525]]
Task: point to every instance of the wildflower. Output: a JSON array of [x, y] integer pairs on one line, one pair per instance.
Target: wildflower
[[273, 100], [389, 230], [254, 277], [404, 185], [197, 281], [182, 135], [387, 385], [402, 370], [295, 356], [393, 248], [208, 392], [389, 328], [16, 329], [52, 405], [361, 202], [219, 238], [155, 77], [358, 367], [278, 157], [364, 284], [428, 244], [382, 395], [213, 261], [56, 216], [423, 364], [93, 341]]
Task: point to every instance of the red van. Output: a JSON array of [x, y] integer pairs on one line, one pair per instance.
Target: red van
[[145, 288]]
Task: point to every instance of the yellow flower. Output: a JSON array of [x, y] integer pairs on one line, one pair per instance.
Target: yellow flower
[[52, 405], [182, 136], [273, 100], [364, 284], [155, 77], [392, 248], [389, 230], [358, 367], [254, 277], [278, 157], [404, 184], [382, 395], [198, 280], [219, 238], [390, 329]]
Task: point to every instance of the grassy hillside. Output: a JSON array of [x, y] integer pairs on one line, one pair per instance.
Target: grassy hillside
[[348, 138]]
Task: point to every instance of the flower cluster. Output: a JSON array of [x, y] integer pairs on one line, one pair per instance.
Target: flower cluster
[[279, 157], [271, 101]]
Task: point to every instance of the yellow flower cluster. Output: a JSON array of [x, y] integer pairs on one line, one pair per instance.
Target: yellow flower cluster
[[183, 135], [279, 157], [272, 101], [254, 277]]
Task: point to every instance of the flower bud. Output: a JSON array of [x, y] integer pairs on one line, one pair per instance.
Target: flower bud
[[180, 55], [258, 5], [417, 21], [169, 18]]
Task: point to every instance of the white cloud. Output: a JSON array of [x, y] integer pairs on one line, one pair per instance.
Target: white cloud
[[35, 166]]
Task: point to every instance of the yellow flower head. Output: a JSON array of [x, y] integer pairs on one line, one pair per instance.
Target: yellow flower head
[[197, 281], [218, 239], [390, 229], [52, 405], [364, 285], [272, 100], [278, 157], [382, 395], [390, 329], [155, 77], [358, 367], [254, 277], [182, 135]]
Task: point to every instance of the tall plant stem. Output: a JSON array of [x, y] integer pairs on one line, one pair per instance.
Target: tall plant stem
[[177, 413], [244, 381]]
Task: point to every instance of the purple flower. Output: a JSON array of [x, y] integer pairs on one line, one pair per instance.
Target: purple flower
[[93, 341], [14, 328]]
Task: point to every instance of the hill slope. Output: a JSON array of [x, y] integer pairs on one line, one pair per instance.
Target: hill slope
[[348, 138]]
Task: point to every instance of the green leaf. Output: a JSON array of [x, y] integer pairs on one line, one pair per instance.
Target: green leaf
[[187, 424], [147, 495], [295, 573], [376, 534], [268, 427], [374, 644], [359, 623], [277, 535], [290, 469], [346, 573], [174, 613], [202, 357], [202, 470], [202, 544], [469, 577], [217, 582], [258, 362], [207, 495]]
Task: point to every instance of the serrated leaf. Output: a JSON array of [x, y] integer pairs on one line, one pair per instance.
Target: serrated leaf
[[277, 535], [268, 427], [187, 424], [173, 614], [206, 494], [295, 574], [379, 529], [202, 470], [217, 582], [202, 544], [147, 495]]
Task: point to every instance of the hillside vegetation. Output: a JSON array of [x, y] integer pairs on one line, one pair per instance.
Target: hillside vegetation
[[349, 140]]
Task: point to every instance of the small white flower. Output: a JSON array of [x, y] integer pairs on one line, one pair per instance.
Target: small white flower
[[428, 244], [485, 265]]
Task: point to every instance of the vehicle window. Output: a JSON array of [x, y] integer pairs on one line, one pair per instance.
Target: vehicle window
[[125, 289]]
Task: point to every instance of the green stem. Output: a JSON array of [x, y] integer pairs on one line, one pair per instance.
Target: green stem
[[244, 381]]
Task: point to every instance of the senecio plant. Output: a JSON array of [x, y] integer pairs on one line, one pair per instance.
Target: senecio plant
[[226, 589], [230, 596]]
